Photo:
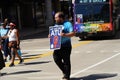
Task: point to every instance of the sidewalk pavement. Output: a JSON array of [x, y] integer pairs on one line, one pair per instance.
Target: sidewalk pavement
[[31, 31]]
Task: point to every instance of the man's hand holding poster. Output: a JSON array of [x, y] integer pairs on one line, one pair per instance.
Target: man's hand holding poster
[[55, 38]]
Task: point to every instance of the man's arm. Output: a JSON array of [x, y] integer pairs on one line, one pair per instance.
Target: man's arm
[[70, 29], [71, 34]]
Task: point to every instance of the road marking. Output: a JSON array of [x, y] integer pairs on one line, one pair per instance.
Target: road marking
[[81, 43], [49, 53], [32, 58], [92, 66], [74, 46]]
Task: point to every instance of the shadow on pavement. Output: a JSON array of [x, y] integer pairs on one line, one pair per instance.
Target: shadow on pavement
[[33, 63], [31, 55], [2, 74], [95, 76]]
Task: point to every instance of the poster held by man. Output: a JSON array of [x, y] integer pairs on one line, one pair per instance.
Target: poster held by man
[[55, 38]]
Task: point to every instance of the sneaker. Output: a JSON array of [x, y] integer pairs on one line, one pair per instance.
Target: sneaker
[[21, 61], [11, 65]]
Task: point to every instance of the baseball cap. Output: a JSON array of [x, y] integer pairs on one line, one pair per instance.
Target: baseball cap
[[12, 24]]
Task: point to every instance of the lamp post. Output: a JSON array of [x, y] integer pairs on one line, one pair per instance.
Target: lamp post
[[49, 17]]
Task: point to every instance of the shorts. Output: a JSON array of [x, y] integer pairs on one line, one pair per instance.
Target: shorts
[[13, 44]]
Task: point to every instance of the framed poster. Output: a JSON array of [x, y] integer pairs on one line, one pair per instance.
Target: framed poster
[[79, 18], [55, 38]]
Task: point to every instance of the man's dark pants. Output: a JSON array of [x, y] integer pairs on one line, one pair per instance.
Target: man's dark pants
[[62, 59], [5, 47]]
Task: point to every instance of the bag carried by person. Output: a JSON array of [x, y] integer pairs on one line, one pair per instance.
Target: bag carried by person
[[19, 52]]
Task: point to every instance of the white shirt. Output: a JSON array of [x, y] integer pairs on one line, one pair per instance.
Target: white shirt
[[12, 35]]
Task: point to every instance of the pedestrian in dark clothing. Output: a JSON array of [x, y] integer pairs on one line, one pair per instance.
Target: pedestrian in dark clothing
[[62, 56], [3, 32], [2, 63]]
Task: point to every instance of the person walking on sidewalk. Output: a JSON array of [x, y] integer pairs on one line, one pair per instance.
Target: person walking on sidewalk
[[3, 32], [2, 63], [14, 43], [62, 56]]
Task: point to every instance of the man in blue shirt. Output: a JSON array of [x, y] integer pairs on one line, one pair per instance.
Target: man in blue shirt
[[3, 33], [62, 55]]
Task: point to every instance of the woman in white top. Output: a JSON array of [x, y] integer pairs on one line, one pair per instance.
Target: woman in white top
[[14, 43]]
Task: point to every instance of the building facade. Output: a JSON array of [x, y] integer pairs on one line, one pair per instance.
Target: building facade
[[29, 13]]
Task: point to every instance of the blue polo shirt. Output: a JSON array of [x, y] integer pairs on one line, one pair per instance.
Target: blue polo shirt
[[3, 31], [67, 28]]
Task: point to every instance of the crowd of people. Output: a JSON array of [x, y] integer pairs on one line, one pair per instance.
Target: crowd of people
[[9, 43]]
